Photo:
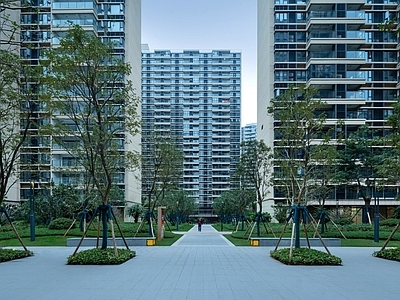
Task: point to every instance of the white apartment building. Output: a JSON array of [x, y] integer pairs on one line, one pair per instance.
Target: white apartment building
[[194, 96], [43, 23]]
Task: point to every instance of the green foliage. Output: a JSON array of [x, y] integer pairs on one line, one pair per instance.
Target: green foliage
[[61, 223], [343, 221], [63, 202], [135, 211], [88, 86], [391, 254], [281, 212], [300, 121], [11, 254], [99, 256], [359, 161], [179, 205], [305, 256], [389, 222], [254, 169], [396, 213], [162, 169]]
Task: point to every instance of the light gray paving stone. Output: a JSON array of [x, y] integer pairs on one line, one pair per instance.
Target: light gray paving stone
[[201, 265]]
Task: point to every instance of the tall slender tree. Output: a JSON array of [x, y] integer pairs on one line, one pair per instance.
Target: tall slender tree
[[94, 110], [162, 170], [255, 171]]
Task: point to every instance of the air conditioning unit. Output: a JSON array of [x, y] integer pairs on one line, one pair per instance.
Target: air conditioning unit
[[339, 76]]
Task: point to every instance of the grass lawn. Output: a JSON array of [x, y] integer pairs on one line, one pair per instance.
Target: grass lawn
[[344, 243], [367, 243], [52, 240]]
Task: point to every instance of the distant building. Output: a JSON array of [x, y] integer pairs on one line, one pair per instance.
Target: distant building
[[194, 96], [248, 132]]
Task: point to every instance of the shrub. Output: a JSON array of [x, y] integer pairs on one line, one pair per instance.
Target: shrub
[[389, 222], [281, 212], [305, 256], [10, 254], [343, 221], [98, 256], [391, 254], [61, 223]]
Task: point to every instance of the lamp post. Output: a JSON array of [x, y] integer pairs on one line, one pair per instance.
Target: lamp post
[[177, 217], [337, 208], [222, 212], [32, 213], [376, 216]]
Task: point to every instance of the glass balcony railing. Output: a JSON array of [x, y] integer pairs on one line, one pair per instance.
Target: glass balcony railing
[[355, 14], [356, 54], [355, 74]]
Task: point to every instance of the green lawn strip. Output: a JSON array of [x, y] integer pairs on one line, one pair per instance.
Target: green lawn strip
[[236, 241], [40, 241], [168, 241]]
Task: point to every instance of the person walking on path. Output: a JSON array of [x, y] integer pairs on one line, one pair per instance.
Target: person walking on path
[[199, 225]]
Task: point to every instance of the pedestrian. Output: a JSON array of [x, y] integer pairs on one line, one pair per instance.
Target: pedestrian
[[199, 225]]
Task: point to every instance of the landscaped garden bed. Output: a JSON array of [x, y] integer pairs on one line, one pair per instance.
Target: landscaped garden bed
[[11, 254], [305, 256], [390, 253], [98, 256]]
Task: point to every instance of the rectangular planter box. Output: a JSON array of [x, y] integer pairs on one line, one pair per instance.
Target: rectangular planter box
[[91, 242]]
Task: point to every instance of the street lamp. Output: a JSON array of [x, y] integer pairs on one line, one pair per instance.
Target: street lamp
[[32, 212], [177, 217], [376, 216], [222, 212]]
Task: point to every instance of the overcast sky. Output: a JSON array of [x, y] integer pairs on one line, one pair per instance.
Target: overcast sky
[[207, 25]]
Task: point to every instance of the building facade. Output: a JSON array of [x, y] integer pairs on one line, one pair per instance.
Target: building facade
[[248, 132], [42, 24], [194, 97], [336, 47]]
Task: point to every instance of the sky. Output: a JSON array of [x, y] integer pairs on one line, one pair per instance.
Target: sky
[[208, 25]]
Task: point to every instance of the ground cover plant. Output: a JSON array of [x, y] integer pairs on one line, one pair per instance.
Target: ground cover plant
[[390, 253], [11, 254], [98, 256], [305, 256]]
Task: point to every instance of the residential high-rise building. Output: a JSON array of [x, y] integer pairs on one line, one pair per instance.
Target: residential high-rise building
[[248, 132], [194, 97], [42, 24], [336, 47]]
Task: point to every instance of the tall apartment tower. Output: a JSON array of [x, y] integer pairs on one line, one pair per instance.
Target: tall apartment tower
[[248, 132], [43, 23], [195, 97], [336, 47]]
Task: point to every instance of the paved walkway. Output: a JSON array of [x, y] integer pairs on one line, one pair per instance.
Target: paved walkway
[[201, 265]]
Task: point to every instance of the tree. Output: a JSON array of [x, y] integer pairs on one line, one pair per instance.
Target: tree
[[135, 211], [389, 166], [255, 172], [95, 111], [302, 136], [358, 164], [19, 98], [179, 205], [162, 170]]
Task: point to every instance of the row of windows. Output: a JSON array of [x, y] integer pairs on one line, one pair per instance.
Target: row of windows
[[222, 54]]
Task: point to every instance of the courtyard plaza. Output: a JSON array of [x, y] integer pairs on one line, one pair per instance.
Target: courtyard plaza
[[200, 265]]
